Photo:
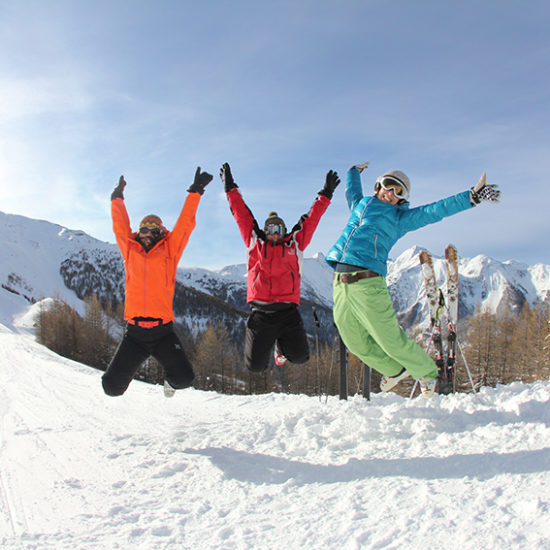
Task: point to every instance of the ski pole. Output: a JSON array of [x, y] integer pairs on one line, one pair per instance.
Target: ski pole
[[466, 364], [463, 356], [317, 326]]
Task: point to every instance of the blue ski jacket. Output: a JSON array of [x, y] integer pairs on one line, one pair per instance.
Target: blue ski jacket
[[375, 226]]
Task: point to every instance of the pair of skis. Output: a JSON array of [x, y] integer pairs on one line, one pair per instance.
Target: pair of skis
[[437, 304]]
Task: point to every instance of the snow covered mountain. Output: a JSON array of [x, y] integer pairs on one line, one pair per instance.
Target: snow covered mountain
[[40, 260]]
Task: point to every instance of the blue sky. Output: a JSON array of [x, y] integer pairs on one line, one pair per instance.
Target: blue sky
[[284, 91]]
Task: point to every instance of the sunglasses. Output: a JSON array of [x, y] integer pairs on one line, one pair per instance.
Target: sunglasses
[[274, 229], [155, 231], [391, 185]]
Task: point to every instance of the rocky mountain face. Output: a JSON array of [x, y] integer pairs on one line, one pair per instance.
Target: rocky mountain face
[[42, 260]]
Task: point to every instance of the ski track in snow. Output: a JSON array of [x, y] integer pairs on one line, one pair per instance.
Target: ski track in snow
[[80, 470]]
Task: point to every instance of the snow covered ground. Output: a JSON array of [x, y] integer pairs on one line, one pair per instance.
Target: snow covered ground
[[79, 470]]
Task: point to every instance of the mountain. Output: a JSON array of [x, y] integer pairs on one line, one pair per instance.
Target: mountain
[[41, 260]]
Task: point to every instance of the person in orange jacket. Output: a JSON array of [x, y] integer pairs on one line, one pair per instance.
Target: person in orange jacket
[[151, 258]]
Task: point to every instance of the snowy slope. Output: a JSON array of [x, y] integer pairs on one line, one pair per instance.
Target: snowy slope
[[32, 252], [82, 471]]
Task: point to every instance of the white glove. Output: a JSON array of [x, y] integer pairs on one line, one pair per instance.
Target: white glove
[[361, 167], [484, 191]]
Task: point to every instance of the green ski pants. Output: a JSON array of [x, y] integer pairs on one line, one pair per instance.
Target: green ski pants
[[364, 314]]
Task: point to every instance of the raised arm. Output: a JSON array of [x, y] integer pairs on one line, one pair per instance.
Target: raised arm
[[354, 190], [242, 214], [119, 215], [434, 212], [303, 231], [186, 220]]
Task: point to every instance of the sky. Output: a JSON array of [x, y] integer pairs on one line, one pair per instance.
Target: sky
[[284, 91], [83, 471]]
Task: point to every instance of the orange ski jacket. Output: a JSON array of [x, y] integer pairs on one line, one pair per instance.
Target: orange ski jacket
[[151, 276]]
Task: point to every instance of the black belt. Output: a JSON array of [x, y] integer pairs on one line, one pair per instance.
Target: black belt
[[350, 278], [147, 323]]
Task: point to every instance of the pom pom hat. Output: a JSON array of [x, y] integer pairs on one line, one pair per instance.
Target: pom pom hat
[[273, 219], [152, 222]]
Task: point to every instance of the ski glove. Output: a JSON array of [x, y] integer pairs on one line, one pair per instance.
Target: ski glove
[[484, 191], [331, 184], [360, 167], [227, 178], [202, 179], [118, 192]]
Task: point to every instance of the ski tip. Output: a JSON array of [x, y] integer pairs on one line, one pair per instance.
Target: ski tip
[[451, 251], [424, 256]]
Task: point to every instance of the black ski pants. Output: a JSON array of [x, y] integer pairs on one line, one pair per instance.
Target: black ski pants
[[138, 344], [264, 329]]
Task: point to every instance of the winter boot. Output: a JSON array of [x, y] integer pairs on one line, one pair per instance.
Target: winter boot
[[389, 382], [280, 359], [427, 387], [169, 391]]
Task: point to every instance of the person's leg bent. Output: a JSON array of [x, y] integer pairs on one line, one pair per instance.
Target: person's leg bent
[[355, 335], [169, 352], [261, 334], [372, 306], [292, 341], [124, 365]]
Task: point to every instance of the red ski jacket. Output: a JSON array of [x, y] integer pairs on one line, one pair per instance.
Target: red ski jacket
[[151, 276], [275, 269]]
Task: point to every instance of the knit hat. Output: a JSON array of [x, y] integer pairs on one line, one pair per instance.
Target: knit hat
[[152, 222], [273, 219], [399, 177]]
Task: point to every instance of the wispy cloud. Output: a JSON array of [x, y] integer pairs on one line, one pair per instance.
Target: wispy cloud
[[283, 91]]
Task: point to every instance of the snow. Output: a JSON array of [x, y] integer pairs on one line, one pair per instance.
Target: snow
[[80, 470]]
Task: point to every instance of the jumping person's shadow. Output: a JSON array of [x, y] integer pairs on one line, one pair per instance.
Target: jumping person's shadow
[[260, 468]]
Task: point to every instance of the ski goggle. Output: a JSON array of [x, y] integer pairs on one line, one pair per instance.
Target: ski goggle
[[274, 229], [155, 231], [390, 184]]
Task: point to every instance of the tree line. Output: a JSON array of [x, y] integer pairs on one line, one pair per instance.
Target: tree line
[[496, 349]]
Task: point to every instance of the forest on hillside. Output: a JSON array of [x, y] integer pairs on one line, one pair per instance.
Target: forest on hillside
[[492, 350]]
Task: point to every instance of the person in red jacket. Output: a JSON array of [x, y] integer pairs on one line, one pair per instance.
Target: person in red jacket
[[151, 258], [274, 275]]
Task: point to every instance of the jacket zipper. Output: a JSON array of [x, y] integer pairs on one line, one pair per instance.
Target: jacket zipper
[[145, 287], [353, 230]]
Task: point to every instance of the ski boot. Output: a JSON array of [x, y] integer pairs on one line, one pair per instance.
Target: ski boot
[[280, 359], [427, 387], [389, 382], [169, 391]]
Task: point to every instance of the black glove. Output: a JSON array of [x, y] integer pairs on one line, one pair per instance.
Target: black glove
[[227, 178], [484, 191], [331, 184], [117, 193], [202, 179]]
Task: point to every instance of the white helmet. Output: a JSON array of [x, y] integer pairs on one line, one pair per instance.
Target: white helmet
[[398, 177]]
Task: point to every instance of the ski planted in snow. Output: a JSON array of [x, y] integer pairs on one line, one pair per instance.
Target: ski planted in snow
[[451, 263], [435, 303]]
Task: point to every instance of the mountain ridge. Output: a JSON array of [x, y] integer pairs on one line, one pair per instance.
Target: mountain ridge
[[41, 260]]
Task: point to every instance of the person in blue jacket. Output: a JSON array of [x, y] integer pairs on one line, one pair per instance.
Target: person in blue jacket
[[363, 310]]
